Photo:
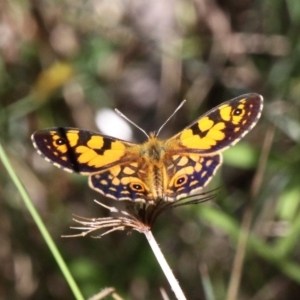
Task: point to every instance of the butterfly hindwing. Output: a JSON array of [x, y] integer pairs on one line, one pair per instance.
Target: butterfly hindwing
[[190, 173], [223, 126], [77, 150], [186, 174], [121, 182]]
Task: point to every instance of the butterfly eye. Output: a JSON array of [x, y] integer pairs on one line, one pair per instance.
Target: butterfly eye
[[181, 180], [137, 187]]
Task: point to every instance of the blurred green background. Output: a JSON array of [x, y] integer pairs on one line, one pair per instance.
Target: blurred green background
[[69, 63]]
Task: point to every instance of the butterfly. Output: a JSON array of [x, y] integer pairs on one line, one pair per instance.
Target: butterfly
[[156, 170]]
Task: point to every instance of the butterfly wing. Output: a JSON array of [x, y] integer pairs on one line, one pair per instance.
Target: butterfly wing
[[123, 182], [223, 126], [190, 173], [113, 165], [197, 152], [80, 151]]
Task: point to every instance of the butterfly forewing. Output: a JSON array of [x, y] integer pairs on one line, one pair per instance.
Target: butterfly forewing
[[223, 126], [79, 151]]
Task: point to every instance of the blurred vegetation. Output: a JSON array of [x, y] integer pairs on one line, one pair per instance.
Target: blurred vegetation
[[62, 62]]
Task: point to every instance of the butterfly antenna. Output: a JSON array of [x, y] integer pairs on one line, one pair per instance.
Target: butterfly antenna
[[175, 111], [131, 122]]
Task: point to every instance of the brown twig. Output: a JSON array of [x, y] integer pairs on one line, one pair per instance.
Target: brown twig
[[238, 262]]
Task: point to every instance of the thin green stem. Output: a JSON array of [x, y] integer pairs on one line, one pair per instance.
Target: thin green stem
[[40, 225]]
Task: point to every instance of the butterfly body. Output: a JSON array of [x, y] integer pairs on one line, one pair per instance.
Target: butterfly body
[[157, 169]]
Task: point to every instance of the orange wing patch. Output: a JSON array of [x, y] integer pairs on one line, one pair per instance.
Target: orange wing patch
[[79, 151], [221, 127]]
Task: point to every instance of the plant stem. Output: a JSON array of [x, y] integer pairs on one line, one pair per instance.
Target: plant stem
[[164, 265], [36, 217]]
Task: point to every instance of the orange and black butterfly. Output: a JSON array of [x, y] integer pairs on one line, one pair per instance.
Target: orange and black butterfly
[[158, 169]]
